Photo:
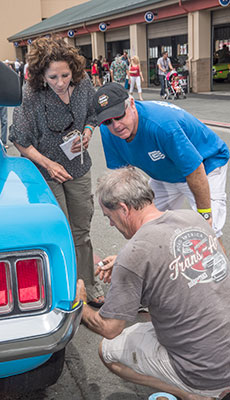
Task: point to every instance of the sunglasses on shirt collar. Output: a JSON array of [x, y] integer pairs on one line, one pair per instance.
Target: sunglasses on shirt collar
[[109, 121]]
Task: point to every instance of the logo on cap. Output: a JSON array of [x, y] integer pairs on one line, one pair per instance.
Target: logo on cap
[[103, 100]]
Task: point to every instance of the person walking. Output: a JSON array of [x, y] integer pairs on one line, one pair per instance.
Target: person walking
[[100, 69], [57, 101], [169, 261], [164, 65], [105, 65], [125, 57], [183, 157], [118, 70], [135, 76], [4, 125], [95, 73]]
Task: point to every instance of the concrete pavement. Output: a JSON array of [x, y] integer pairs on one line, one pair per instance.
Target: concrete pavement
[[218, 115]]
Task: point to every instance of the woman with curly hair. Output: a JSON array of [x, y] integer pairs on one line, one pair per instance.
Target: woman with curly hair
[[57, 99]]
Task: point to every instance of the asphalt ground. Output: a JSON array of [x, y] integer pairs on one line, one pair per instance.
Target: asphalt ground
[[84, 377]]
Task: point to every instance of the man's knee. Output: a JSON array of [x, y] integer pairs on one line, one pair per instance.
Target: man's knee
[[100, 352]]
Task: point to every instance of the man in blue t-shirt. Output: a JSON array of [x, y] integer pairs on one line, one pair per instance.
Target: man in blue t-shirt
[[182, 156]]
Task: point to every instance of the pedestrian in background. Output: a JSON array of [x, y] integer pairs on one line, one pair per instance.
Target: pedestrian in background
[[183, 157], [57, 100], [21, 73], [125, 57], [136, 76], [95, 73], [106, 71], [185, 347], [164, 65], [17, 65], [100, 68], [4, 125], [118, 70]]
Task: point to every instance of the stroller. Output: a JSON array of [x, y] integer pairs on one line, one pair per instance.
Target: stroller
[[106, 77], [173, 86]]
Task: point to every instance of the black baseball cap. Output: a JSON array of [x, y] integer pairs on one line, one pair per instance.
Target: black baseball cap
[[109, 101]]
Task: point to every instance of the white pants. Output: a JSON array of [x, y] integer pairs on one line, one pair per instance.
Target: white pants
[[170, 196], [138, 348], [133, 80]]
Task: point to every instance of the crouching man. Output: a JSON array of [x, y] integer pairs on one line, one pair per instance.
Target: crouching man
[[174, 265]]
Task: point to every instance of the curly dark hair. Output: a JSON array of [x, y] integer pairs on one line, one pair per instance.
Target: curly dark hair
[[43, 51]]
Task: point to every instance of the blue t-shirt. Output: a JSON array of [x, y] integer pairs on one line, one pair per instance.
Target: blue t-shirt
[[169, 144]]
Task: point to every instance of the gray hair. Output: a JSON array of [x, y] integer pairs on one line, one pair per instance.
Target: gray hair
[[124, 185], [128, 102]]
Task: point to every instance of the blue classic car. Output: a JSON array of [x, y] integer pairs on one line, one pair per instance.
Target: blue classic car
[[37, 270]]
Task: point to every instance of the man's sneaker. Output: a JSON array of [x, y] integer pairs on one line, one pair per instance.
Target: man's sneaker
[[143, 309]]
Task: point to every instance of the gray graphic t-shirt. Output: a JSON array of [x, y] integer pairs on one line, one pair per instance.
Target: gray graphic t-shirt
[[175, 266]]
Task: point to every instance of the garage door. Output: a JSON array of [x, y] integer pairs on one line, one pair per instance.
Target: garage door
[[83, 40], [178, 26], [117, 34], [222, 16]]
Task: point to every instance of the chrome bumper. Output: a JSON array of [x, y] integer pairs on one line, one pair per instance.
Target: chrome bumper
[[38, 335]]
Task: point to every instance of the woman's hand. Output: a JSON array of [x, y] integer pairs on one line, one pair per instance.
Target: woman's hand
[[105, 271], [76, 146], [58, 172]]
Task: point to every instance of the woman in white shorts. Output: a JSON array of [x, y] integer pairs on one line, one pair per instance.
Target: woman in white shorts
[[135, 76]]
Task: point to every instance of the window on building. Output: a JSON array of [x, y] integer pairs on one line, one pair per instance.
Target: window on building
[[153, 52], [182, 49], [168, 49]]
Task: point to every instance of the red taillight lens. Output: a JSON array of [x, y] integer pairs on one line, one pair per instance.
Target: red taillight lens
[[30, 285], [3, 285]]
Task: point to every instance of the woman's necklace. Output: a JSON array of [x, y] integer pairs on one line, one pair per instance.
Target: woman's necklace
[[65, 97]]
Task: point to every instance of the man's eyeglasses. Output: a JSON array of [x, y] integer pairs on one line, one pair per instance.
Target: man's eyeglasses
[[109, 121]]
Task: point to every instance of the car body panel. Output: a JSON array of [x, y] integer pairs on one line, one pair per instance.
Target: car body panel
[[33, 222], [15, 367], [221, 71]]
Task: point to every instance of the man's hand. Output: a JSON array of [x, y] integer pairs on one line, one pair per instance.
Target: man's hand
[[199, 186], [81, 291], [105, 271]]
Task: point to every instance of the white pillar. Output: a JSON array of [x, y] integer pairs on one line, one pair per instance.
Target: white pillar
[[98, 44], [138, 40], [199, 49]]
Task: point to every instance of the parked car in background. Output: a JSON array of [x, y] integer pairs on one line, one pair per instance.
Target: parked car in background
[[221, 71], [38, 316]]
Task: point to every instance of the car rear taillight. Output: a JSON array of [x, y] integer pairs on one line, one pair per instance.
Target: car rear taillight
[[30, 283], [6, 301]]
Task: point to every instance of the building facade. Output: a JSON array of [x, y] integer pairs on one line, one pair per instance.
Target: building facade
[[192, 31], [18, 15]]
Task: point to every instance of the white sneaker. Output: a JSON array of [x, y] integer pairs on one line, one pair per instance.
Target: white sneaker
[[143, 309]]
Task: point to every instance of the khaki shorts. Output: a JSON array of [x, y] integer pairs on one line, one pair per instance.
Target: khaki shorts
[[137, 347]]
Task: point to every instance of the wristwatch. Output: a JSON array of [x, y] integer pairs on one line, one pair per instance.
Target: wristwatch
[[206, 215]]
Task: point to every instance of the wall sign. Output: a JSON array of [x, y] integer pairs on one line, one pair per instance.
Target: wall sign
[[70, 33], [224, 3], [29, 41], [102, 26], [149, 16], [16, 44]]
